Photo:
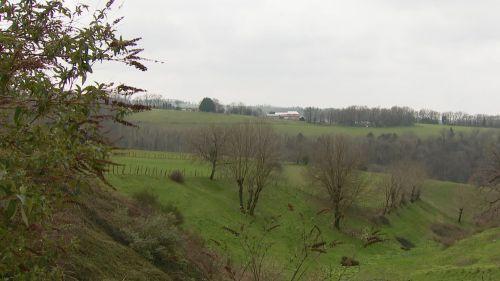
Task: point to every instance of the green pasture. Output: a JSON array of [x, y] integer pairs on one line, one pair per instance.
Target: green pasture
[[208, 206], [184, 119]]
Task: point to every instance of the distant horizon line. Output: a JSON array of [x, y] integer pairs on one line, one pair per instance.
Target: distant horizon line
[[188, 101]]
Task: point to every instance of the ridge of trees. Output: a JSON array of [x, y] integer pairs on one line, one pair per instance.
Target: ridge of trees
[[449, 156], [361, 116], [356, 116]]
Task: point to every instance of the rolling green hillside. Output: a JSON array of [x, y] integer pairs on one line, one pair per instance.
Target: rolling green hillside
[[184, 119], [208, 206]]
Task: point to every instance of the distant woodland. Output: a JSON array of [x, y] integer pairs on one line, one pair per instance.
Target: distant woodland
[[448, 156], [361, 116]]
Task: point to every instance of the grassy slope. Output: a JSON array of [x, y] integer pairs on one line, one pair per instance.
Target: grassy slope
[[102, 258], [95, 254], [181, 119], [208, 206]]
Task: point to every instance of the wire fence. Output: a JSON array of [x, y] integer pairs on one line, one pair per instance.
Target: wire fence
[[155, 155], [157, 172]]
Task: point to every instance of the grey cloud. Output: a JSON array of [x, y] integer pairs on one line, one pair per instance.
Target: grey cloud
[[439, 54]]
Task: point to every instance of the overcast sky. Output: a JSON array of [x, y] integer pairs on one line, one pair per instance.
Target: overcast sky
[[439, 54]]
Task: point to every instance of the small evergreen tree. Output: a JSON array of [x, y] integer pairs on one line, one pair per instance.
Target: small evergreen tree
[[207, 105]]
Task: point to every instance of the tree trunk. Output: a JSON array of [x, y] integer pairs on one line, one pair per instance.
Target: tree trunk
[[250, 199], [240, 195], [212, 174], [254, 202], [337, 222], [386, 206], [337, 218], [460, 212]]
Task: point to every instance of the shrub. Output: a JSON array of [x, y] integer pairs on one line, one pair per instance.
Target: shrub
[[171, 209], [177, 176], [157, 240], [146, 198], [347, 261]]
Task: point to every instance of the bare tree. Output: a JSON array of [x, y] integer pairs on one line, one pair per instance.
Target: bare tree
[[208, 144], [403, 184], [334, 164], [494, 177], [240, 152], [463, 200], [415, 178], [488, 178], [252, 159], [266, 162], [393, 189]]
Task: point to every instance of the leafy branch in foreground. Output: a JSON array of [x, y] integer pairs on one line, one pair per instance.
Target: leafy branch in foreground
[[51, 140]]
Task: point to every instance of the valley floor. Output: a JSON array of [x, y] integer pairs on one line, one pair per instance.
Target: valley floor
[[293, 204]]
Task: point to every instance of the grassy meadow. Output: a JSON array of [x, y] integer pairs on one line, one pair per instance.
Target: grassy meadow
[[209, 206], [185, 119]]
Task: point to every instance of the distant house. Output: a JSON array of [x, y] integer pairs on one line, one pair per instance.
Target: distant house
[[288, 115]]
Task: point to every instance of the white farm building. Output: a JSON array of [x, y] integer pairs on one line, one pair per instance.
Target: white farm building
[[288, 115]]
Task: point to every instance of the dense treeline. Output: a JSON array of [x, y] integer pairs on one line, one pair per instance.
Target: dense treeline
[[242, 109], [457, 119], [361, 116], [206, 105], [157, 101], [355, 116], [464, 119], [149, 137], [449, 156], [426, 116]]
